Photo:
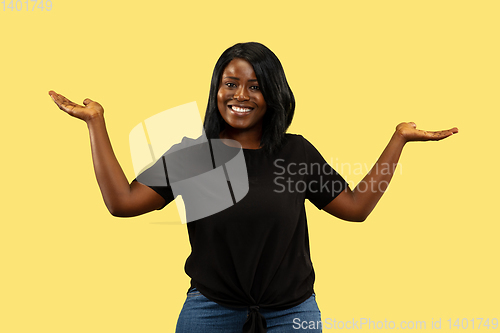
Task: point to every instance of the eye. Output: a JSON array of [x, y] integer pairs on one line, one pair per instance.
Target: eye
[[230, 85], [255, 88]]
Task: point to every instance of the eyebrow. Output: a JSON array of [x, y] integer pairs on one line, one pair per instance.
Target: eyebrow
[[235, 78]]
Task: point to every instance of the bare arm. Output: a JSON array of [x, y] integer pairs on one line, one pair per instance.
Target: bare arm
[[356, 205], [121, 198]]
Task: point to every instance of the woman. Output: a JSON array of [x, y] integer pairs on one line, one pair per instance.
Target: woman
[[250, 264]]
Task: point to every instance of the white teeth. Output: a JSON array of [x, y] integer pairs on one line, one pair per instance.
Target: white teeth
[[237, 109]]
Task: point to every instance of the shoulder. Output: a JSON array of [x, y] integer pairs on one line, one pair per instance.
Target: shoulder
[[295, 146], [297, 140], [294, 138], [182, 147], [299, 146]]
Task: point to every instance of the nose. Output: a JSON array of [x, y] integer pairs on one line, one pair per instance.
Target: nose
[[240, 94]]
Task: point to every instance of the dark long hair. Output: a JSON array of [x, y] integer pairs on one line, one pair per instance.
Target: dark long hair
[[275, 90]]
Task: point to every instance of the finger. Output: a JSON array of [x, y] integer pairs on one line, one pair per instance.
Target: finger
[[87, 101], [57, 98], [66, 105], [65, 100], [63, 103], [413, 124], [439, 135], [51, 94], [449, 132], [54, 96]]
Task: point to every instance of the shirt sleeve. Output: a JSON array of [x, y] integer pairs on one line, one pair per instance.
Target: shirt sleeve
[[324, 183], [157, 177], [154, 178], [188, 158], [165, 192]]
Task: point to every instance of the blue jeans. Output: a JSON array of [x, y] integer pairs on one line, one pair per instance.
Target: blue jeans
[[199, 314]]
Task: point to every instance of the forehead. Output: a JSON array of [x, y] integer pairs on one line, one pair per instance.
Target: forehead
[[239, 68]]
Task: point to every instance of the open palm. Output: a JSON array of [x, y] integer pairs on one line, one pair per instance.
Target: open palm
[[410, 132], [87, 111]]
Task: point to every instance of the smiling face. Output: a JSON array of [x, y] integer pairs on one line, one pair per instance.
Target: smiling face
[[239, 99]]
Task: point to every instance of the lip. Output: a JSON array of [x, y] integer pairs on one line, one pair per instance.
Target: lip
[[243, 106]]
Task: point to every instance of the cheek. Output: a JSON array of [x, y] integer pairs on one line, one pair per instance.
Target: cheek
[[263, 103], [221, 105], [220, 97]]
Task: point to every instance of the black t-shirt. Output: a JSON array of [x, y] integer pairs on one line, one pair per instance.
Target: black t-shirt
[[256, 252]]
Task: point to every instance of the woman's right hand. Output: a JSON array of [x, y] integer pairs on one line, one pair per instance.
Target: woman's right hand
[[85, 112]]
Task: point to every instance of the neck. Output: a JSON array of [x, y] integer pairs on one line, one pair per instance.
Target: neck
[[247, 139]]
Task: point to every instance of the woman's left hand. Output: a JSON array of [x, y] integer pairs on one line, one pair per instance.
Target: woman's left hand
[[409, 132]]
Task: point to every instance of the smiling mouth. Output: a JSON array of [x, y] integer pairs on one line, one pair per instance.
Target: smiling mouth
[[238, 109]]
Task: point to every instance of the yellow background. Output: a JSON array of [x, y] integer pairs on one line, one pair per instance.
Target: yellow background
[[430, 248]]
